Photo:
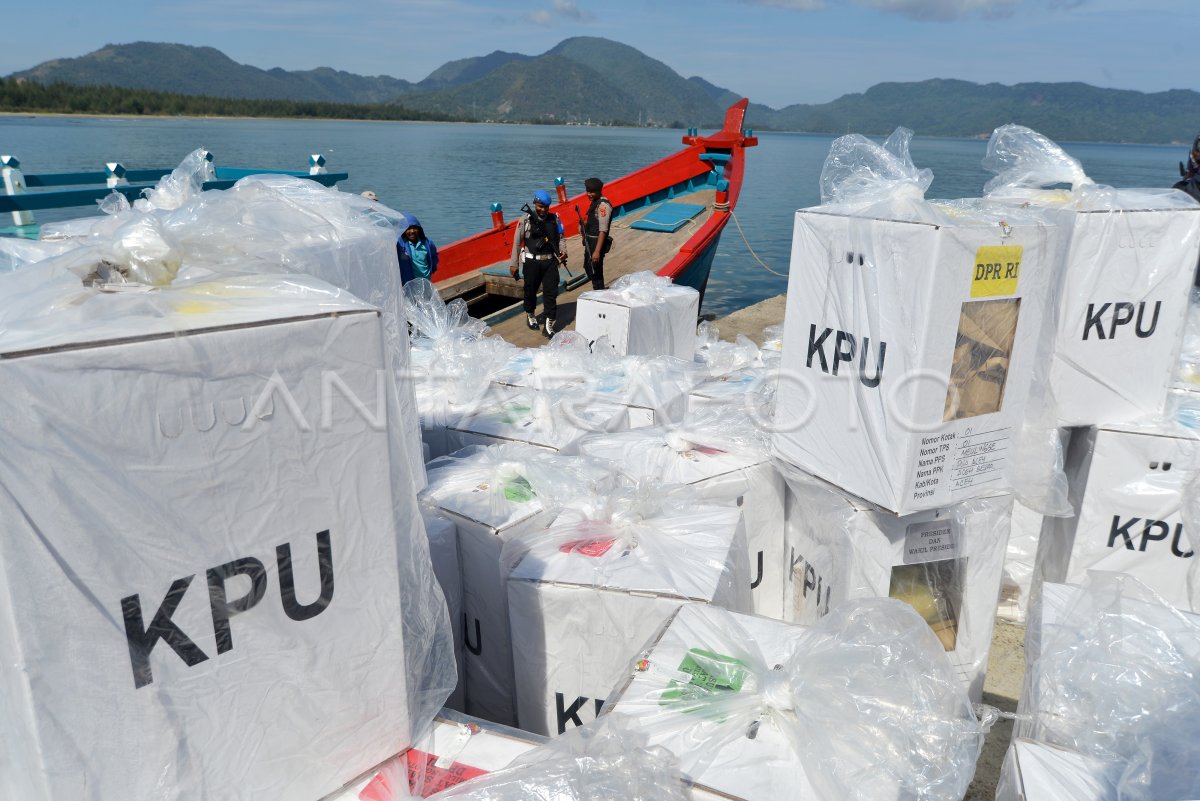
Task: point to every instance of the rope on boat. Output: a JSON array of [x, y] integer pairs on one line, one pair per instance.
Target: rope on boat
[[752, 253]]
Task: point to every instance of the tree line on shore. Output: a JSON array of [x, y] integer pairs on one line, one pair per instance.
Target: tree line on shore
[[23, 96]]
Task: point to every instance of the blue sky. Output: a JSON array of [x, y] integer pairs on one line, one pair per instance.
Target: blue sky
[[776, 52]]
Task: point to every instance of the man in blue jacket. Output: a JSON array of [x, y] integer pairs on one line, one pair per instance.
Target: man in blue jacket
[[418, 255]]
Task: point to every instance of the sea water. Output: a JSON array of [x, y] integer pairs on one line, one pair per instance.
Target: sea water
[[448, 175]]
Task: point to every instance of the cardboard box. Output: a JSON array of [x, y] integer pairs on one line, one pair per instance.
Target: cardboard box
[[762, 768], [484, 524], [1034, 771], [543, 420], [1123, 303], [746, 480], [200, 552], [585, 599], [1126, 485], [908, 353], [946, 563], [447, 569], [457, 749], [641, 326]]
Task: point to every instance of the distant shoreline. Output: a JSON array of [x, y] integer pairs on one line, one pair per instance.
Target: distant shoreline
[[918, 134]]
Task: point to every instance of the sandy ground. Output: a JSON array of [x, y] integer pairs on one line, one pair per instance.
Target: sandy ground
[[1006, 660]]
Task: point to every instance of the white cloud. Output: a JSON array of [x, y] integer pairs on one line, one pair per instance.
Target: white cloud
[[559, 10]]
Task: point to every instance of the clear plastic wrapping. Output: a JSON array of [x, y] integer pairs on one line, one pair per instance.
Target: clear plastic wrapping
[[597, 763], [876, 179], [271, 248], [644, 288], [432, 317], [589, 590], [862, 705], [490, 482], [722, 358], [1116, 676]]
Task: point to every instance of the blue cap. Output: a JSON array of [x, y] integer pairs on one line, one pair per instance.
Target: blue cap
[[542, 196]]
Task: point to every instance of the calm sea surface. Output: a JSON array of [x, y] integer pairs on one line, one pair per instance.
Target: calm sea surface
[[449, 174]]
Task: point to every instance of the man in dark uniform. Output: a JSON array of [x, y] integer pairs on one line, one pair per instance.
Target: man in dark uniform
[[538, 244], [595, 228]]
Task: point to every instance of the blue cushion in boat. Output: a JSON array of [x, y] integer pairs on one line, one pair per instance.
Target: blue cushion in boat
[[668, 217]]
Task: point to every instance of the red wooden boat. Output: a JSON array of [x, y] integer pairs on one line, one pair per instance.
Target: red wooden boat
[[667, 217]]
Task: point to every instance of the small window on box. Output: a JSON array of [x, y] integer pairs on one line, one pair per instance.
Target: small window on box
[[986, 330], [935, 590]]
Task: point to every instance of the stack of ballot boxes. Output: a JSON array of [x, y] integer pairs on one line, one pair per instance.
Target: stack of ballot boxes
[[587, 594], [1125, 268], [908, 359], [488, 497], [180, 573], [719, 472]]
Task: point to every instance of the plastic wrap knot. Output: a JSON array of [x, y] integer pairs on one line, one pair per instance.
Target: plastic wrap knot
[[857, 171], [777, 692], [1025, 160]]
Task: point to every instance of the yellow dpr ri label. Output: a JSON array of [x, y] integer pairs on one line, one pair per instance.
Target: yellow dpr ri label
[[997, 268]]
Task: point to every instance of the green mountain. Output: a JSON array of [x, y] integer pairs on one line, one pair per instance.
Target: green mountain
[[1066, 111], [188, 70], [659, 94], [465, 70], [536, 89], [588, 78]]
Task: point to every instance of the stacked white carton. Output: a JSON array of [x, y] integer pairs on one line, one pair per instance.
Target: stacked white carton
[[915, 340], [642, 314], [912, 329], [589, 592], [945, 563], [1126, 267], [494, 495], [697, 455], [1127, 486], [864, 705], [489, 498], [191, 517]]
